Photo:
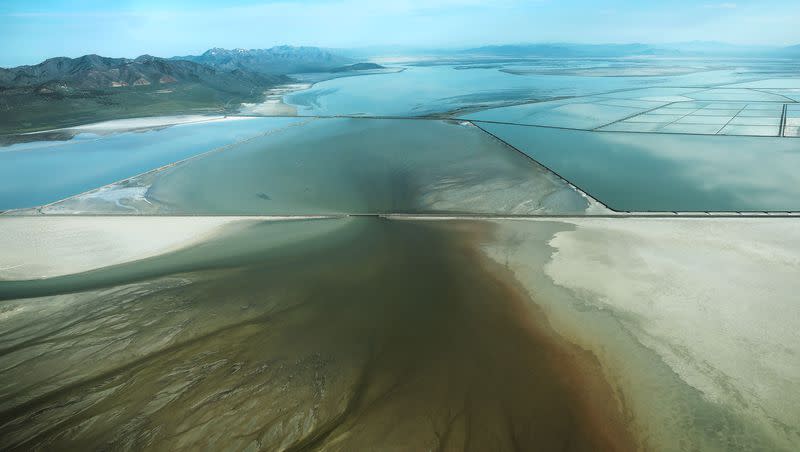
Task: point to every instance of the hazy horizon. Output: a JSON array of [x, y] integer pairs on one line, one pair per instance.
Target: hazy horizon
[[50, 28], [390, 50]]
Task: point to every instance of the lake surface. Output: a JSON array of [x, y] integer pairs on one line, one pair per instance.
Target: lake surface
[[365, 166], [427, 90], [665, 172], [42, 172]]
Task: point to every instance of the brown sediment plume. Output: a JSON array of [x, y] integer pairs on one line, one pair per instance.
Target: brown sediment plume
[[481, 369], [400, 336], [601, 416]]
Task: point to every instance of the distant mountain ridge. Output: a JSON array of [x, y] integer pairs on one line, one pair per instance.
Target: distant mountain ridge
[[792, 51], [556, 50], [687, 49], [93, 72], [275, 60], [235, 69]]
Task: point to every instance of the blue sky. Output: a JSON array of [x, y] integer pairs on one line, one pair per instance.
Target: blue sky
[[31, 31]]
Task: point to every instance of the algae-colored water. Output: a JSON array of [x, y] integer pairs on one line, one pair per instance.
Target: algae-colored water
[[366, 333]]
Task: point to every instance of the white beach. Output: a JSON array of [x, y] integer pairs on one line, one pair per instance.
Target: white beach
[[273, 104], [123, 125]]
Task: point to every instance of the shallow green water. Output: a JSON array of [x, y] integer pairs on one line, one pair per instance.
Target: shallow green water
[[366, 166]]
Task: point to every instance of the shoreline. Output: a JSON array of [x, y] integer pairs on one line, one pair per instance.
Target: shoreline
[[648, 297], [137, 181], [141, 123], [275, 103], [42, 247], [606, 415], [478, 319], [272, 106]]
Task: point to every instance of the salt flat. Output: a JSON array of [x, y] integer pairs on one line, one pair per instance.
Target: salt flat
[[46, 247], [713, 299]]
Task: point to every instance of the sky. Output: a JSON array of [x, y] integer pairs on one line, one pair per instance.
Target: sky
[[31, 31]]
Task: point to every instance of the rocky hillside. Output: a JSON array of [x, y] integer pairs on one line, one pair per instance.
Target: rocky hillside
[[61, 92], [93, 72]]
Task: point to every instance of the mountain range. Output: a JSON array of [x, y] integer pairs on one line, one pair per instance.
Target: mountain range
[[275, 60], [93, 72], [61, 92], [243, 71], [575, 50], [687, 49], [235, 69]]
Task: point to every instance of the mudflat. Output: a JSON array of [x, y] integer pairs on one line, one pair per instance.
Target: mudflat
[[383, 332]]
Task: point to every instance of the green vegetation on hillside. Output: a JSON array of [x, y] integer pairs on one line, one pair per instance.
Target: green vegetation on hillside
[[24, 111], [63, 92]]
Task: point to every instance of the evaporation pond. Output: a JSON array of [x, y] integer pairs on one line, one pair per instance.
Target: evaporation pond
[[668, 172]]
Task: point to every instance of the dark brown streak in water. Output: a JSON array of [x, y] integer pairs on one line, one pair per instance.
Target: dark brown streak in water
[[406, 338]]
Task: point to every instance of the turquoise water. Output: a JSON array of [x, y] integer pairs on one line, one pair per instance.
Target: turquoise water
[[575, 113], [426, 90], [662, 172], [37, 173]]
